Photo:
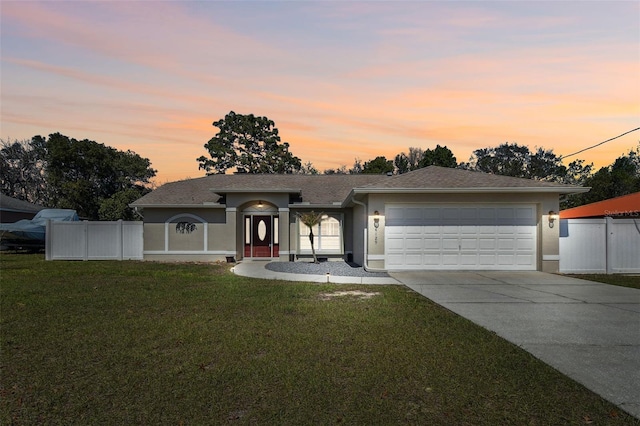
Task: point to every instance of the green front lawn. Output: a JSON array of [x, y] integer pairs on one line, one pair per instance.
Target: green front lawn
[[148, 343]]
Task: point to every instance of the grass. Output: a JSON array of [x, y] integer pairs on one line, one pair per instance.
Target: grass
[[622, 280], [148, 343]]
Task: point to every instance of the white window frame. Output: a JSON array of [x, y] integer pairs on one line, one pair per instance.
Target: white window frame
[[317, 239]]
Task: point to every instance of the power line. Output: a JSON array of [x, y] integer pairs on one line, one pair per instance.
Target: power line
[[598, 144]]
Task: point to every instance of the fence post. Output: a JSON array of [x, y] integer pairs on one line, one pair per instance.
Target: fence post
[[121, 239], [85, 230], [609, 244], [47, 241]]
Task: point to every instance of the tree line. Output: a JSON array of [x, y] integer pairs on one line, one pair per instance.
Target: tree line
[[97, 181], [100, 182]]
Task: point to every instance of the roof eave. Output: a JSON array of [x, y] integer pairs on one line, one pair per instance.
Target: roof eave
[[251, 190], [316, 206], [501, 190], [171, 206]]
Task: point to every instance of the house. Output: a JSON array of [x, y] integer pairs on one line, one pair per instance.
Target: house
[[626, 206], [13, 210], [432, 218]]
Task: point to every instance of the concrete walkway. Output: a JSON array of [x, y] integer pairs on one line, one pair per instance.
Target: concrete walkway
[[256, 269], [588, 331]]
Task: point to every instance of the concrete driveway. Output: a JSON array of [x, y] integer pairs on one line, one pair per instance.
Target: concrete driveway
[[588, 331]]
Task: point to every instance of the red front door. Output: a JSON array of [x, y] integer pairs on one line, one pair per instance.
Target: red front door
[[261, 236]]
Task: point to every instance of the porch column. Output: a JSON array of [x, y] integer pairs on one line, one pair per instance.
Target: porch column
[[283, 233], [230, 246]]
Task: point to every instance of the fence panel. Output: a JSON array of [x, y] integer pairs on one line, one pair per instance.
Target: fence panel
[[132, 240], [94, 240], [66, 241], [602, 245], [625, 246], [583, 247]]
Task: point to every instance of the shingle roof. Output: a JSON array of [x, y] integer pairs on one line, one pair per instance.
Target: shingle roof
[[315, 189], [434, 177], [329, 189], [13, 204]]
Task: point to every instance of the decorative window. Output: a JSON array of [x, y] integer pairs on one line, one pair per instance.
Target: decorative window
[[327, 235], [186, 232], [276, 231]]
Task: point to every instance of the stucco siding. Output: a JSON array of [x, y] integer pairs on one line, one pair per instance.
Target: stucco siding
[[210, 215], [186, 234], [154, 236], [357, 234]]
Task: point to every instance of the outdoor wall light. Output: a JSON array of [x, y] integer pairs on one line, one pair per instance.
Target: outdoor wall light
[[259, 203], [553, 216], [376, 219]]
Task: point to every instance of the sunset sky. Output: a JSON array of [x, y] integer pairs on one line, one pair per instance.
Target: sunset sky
[[342, 80]]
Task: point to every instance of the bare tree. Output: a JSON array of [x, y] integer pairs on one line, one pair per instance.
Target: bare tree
[[311, 219]]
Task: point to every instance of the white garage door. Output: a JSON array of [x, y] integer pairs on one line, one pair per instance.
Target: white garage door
[[459, 236]]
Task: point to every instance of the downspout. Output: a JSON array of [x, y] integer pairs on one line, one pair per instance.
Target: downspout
[[366, 242]]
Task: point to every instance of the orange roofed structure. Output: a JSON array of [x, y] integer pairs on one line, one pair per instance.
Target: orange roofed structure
[[624, 206]]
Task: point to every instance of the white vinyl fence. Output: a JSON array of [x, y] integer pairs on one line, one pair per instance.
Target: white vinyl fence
[[600, 246], [94, 240]]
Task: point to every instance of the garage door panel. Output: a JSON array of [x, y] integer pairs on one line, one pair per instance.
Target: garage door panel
[[506, 259], [487, 244], [450, 213], [468, 244], [486, 259], [395, 244], [413, 259], [432, 259], [524, 213], [506, 244], [461, 237], [487, 214], [506, 230], [413, 244], [450, 259], [524, 243], [469, 259], [468, 230], [394, 231], [432, 214], [412, 230], [449, 243], [487, 230], [525, 259], [525, 231], [433, 231], [449, 230], [432, 243], [505, 213]]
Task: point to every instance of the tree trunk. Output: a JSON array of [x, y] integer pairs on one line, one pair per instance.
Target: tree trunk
[[313, 250]]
